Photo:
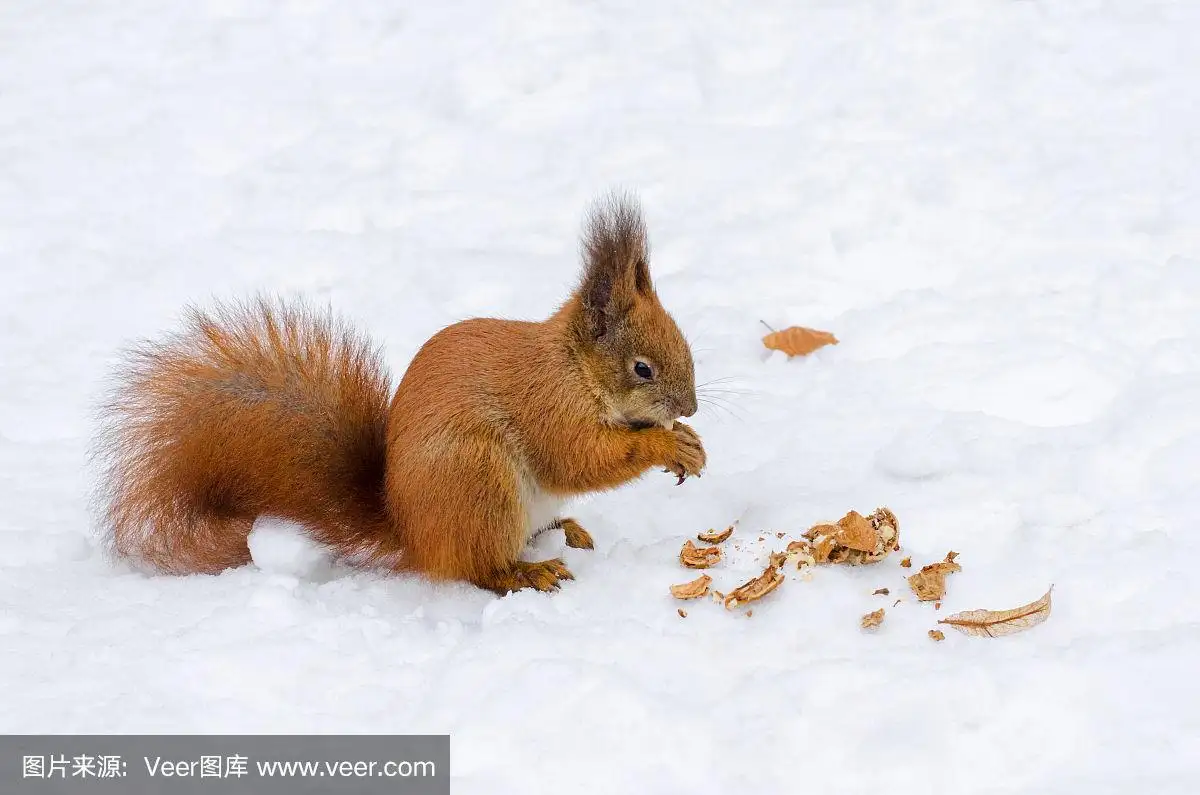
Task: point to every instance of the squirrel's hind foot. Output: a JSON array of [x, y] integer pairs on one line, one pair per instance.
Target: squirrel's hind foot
[[545, 575]]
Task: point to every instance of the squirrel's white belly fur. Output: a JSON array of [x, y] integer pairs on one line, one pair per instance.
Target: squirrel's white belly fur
[[541, 507]]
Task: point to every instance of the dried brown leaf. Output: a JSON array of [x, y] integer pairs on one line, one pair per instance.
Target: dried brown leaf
[[929, 584], [798, 341], [872, 619], [692, 590], [755, 589], [699, 557], [713, 537], [937, 634], [994, 623]]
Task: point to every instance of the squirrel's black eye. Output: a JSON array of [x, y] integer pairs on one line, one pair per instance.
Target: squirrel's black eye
[[643, 371]]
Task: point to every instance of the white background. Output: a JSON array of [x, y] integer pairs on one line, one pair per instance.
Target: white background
[[993, 204]]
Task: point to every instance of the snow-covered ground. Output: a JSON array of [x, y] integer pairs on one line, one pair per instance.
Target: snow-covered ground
[[995, 206]]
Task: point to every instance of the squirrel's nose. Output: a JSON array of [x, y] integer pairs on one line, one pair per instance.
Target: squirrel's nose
[[688, 406]]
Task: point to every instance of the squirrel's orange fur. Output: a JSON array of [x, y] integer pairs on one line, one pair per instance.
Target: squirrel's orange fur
[[274, 410]]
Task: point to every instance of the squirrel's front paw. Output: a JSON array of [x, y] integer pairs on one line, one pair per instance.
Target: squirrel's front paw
[[577, 537], [688, 457]]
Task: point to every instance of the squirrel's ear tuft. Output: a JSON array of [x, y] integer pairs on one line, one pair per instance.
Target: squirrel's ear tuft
[[615, 261]]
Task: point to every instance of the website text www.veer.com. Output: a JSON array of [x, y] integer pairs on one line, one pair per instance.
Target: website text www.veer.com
[[292, 768]]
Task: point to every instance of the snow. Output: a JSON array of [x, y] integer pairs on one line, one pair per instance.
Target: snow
[[995, 206], [278, 546]]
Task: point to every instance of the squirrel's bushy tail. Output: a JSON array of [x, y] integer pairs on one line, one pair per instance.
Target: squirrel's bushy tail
[[254, 409]]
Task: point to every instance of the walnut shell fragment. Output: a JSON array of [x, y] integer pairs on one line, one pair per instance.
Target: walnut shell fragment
[[823, 548], [801, 552], [929, 584], [937, 634], [854, 540], [692, 590], [873, 619], [887, 526], [699, 557], [713, 537], [855, 532], [798, 548], [820, 530], [755, 589]]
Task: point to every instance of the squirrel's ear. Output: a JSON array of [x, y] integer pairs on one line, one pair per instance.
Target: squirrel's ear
[[615, 262]]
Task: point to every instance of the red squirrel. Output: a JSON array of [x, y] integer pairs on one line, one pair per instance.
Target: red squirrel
[[270, 409]]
